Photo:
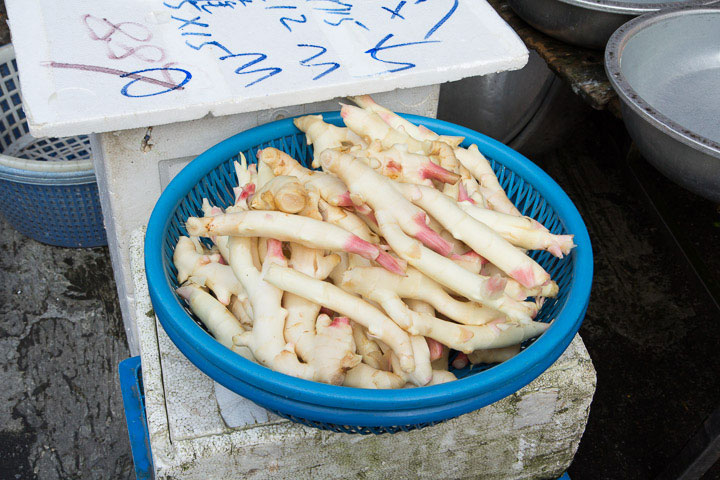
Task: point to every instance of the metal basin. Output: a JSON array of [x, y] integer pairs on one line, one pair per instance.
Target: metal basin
[[587, 23], [666, 70], [530, 110]]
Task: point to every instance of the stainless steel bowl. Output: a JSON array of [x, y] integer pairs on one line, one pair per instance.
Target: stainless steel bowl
[[665, 68], [531, 110], [587, 23]]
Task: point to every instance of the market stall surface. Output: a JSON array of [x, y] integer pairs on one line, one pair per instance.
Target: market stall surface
[[651, 329]]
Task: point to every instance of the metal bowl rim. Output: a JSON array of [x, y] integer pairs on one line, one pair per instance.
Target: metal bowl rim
[[630, 8], [613, 54]]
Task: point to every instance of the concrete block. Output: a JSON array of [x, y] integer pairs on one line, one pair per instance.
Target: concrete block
[[532, 434]]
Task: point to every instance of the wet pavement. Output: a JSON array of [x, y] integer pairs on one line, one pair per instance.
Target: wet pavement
[[652, 328], [61, 338]]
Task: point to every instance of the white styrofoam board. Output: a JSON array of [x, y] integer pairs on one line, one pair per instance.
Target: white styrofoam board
[[375, 51]]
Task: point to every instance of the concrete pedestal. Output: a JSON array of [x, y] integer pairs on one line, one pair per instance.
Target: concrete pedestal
[[532, 434]]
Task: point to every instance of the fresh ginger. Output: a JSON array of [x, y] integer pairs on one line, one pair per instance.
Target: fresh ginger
[[222, 324], [216, 276], [523, 232], [302, 313], [492, 192], [397, 122], [281, 193], [291, 228], [328, 295], [414, 285], [365, 376], [465, 338], [266, 339], [379, 192], [399, 164], [368, 348], [432, 213], [481, 238], [369, 126], [323, 136], [330, 188]]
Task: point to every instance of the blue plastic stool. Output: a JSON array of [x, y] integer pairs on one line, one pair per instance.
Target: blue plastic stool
[[134, 402]]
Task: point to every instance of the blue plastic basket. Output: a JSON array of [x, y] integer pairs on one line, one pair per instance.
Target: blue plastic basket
[[47, 185], [353, 410]]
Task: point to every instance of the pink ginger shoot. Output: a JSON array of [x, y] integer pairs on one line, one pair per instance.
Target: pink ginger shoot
[[461, 361], [494, 324], [371, 216], [340, 322], [367, 250], [463, 194], [435, 347], [391, 263], [274, 248], [185, 292], [363, 209], [394, 166], [429, 237], [496, 285], [344, 110], [524, 276], [242, 193], [344, 200], [432, 171]]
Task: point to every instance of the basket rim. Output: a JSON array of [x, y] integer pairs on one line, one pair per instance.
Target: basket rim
[[7, 54], [44, 166], [47, 177], [532, 360]]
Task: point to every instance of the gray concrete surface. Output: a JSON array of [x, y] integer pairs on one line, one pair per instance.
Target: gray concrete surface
[[61, 338]]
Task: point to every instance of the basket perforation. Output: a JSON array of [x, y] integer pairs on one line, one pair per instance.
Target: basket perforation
[[220, 196], [540, 211], [356, 430]]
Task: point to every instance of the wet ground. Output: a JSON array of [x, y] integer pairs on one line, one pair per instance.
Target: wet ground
[[652, 328], [61, 338]]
